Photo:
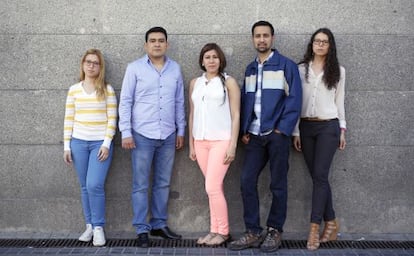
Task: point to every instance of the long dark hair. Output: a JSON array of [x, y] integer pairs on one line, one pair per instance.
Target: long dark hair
[[220, 55], [223, 63], [331, 69]]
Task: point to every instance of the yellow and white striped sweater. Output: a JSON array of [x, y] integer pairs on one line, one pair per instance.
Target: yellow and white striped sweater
[[87, 118]]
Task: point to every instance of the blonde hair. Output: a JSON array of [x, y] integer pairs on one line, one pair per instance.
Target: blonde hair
[[99, 82]]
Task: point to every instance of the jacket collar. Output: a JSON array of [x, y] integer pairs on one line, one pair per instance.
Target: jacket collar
[[271, 60]]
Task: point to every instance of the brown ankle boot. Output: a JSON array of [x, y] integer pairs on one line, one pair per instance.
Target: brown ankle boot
[[313, 238], [330, 232]]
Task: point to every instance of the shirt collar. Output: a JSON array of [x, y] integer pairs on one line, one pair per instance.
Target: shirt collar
[[311, 70], [204, 77], [268, 57], [166, 59]]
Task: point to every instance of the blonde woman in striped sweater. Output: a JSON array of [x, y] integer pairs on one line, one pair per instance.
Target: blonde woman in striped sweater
[[89, 127]]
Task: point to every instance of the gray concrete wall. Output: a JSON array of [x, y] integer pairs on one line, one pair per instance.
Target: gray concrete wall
[[41, 43]]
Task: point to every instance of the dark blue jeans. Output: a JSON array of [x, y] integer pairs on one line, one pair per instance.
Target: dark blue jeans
[[319, 143], [261, 149]]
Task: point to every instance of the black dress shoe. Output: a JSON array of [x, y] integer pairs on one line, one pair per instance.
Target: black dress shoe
[[142, 240], [165, 232]]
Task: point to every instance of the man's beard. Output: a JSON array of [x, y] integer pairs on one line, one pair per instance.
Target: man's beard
[[263, 50]]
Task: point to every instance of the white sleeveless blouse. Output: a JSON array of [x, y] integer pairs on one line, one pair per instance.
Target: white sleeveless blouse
[[211, 116]]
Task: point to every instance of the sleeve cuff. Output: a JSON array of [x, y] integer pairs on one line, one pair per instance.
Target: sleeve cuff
[[66, 145], [107, 143], [126, 134]]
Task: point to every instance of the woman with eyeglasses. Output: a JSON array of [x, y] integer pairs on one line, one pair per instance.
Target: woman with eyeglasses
[[89, 127], [214, 100], [321, 128]]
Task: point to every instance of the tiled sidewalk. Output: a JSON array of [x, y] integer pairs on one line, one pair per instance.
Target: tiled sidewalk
[[195, 251], [202, 251]]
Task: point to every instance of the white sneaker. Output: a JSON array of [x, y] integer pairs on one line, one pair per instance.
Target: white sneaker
[[87, 235], [98, 236]]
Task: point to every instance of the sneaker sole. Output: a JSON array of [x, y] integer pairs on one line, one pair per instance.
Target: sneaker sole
[[270, 249], [253, 245], [85, 240], [99, 244]]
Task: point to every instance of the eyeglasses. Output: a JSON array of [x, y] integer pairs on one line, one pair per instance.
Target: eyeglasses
[[319, 42], [91, 63]]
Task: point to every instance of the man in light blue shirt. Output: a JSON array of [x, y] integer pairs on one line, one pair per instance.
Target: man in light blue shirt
[[152, 123]]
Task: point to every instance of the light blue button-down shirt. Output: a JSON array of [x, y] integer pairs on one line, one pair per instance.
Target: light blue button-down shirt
[[152, 101]]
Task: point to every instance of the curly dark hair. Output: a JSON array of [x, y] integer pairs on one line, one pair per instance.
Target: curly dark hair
[[331, 69]]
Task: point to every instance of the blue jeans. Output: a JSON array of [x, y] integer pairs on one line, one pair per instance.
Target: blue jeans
[[319, 143], [158, 154], [261, 149], [92, 175]]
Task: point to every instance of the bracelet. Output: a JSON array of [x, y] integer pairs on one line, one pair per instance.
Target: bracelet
[[343, 129]]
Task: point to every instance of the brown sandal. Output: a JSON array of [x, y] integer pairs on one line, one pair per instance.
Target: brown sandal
[[330, 232], [313, 238]]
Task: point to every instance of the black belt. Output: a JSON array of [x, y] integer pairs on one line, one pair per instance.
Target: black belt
[[315, 119]]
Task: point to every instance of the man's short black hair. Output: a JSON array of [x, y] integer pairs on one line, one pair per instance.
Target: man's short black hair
[[263, 23], [156, 30]]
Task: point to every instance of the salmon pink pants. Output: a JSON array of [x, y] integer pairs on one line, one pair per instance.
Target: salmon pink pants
[[210, 157]]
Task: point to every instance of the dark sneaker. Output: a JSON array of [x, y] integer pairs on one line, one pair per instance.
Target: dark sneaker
[[272, 241], [248, 240], [142, 240]]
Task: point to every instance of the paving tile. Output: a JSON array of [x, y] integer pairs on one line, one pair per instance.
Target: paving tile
[[193, 251], [168, 251], [117, 250], [65, 251], [181, 251], [52, 251]]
